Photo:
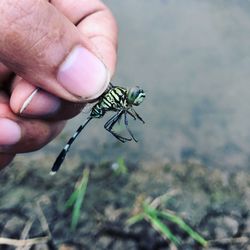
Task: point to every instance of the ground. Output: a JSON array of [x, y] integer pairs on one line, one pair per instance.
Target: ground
[[213, 202]]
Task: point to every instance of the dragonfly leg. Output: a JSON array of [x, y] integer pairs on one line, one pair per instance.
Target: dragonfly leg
[[110, 124], [131, 114], [135, 114], [126, 124]]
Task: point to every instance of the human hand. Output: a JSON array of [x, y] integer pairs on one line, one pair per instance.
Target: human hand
[[53, 50]]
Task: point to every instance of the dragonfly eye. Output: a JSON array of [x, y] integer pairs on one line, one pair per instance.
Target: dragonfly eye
[[135, 96]]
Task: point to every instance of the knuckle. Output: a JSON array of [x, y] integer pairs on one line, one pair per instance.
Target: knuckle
[[17, 31], [29, 31], [15, 14], [62, 5]]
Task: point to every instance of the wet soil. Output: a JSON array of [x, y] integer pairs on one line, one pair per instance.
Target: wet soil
[[213, 202]]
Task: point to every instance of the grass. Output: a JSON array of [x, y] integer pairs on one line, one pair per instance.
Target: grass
[[76, 199], [145, 209], [157, 219]]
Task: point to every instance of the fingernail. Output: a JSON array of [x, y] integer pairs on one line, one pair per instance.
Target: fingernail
[[83, 74], [10, 132], [40, 103]]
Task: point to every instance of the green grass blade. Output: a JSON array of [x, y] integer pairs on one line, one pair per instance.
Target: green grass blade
[[180, 222], [136, 218], [81, 190], [158, 225], [70, 202]]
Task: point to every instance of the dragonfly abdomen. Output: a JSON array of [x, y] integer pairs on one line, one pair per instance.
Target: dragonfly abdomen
[[97, 111]]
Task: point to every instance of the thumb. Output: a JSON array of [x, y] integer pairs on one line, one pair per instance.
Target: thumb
[[42, 46]]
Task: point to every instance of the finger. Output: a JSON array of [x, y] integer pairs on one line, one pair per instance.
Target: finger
[[95, 21], [18, 135], [46, 49], [5, 159], [35, 135], [29, 101], [5, 74]]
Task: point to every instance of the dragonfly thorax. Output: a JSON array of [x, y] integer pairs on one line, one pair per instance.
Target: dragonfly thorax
[[112, 100]]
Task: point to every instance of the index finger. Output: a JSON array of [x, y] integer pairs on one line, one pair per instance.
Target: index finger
[[95, 21]]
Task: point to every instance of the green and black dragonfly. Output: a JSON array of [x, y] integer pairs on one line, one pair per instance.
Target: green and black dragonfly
[[117, 99]]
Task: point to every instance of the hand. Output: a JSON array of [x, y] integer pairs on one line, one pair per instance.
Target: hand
[[62, 55]]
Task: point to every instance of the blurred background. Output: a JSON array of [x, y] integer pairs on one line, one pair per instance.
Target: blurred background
[[192, 58]]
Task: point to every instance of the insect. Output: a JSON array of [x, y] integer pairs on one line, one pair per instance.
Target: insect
[[117, 99]]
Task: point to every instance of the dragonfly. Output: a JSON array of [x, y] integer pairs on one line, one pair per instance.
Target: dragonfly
[[116, 99]]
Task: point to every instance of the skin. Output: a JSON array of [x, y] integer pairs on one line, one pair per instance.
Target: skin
[[36, 36]]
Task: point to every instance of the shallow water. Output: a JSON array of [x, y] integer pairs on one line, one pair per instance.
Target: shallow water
[[192, 58]]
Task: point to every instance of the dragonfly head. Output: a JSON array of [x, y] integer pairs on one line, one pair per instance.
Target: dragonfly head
[[135, 96]]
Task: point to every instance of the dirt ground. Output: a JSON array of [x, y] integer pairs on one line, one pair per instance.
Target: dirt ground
[[213, 202]]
